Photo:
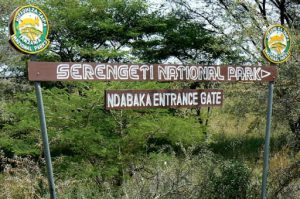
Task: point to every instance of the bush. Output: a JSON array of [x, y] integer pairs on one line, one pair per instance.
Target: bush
[[228, 179], [203, 176]]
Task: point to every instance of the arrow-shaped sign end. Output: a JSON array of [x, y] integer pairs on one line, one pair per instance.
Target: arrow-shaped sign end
[[264, 74]]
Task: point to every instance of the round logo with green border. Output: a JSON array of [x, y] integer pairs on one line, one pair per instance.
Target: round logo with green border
[[30, 29], [277, 44]]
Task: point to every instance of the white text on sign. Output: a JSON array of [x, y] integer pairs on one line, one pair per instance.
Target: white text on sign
[[135, 99], [159, 73]]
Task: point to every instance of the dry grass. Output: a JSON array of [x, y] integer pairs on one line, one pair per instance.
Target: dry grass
[[21, 178]]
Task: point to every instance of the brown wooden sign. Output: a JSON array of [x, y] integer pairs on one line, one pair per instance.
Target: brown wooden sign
[[70, 71], [138, 99]]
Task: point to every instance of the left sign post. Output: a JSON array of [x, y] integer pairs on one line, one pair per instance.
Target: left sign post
[[28, 28], [40, 103]]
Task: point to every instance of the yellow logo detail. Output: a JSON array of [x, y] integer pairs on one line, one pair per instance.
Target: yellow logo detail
[[277, 43], [29, 27]]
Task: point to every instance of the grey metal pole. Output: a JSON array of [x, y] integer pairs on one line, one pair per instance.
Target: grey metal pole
[[267, 142], [39, 98]]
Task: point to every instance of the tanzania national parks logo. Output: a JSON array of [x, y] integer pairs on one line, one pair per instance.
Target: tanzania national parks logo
[[277, 44], [29, 29]]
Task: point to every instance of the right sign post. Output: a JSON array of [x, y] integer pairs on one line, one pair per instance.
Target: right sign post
[[277, 45]]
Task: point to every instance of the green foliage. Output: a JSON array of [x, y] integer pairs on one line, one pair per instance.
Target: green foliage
[[97, 30], [20, 131], [159, 132], [229, 180], [85, 139], [183, 39]]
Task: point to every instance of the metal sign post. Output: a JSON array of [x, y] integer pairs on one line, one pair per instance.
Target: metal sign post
[[267, 141], [39, 98], [277, 49], [20, 41]]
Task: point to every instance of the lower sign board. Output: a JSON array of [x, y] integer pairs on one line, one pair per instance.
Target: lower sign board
[[70, 71], [138, 99]]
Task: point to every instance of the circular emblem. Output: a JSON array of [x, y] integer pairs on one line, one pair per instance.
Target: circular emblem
[[29, 30], [277, 44]]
